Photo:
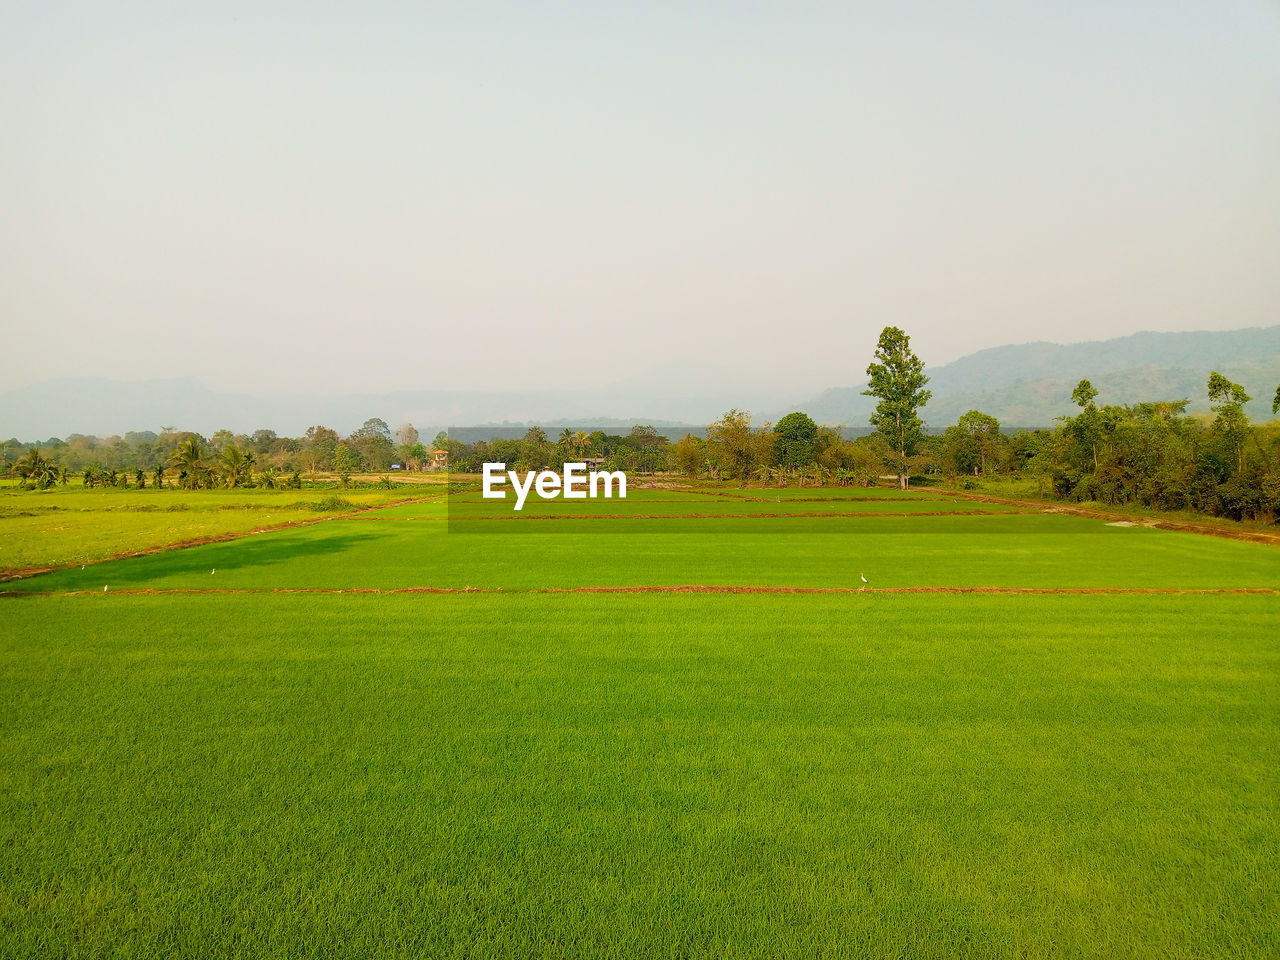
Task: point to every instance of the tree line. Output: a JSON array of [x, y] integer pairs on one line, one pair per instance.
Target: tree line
[[1150, 454], [226, 459]]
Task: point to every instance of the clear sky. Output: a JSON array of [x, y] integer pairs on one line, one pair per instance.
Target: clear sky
[[366, 196]]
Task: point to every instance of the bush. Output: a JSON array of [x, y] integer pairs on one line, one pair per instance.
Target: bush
[[330, 503]]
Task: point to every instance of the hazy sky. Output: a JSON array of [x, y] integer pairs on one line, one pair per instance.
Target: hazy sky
[[343, 197]]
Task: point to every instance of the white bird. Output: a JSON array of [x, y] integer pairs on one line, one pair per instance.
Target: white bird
[[864, 578], [104, 589], [213, 571]]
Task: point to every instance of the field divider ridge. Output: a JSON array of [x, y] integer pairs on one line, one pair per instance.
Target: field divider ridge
[[655, 588]]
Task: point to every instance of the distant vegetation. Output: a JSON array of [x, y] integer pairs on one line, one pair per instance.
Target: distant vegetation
[[1150, 454]]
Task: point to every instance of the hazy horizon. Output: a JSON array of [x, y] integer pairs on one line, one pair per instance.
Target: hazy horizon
[[1023, 385], [690, 387], [299, 200]]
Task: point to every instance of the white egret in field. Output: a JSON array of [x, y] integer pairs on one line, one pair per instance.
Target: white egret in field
[[213, 571], [104, 589], [864, 578]]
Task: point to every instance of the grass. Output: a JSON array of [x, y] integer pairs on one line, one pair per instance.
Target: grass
[[76, 525], [410, 548], [609, 777], [671, 503], [537, 774]]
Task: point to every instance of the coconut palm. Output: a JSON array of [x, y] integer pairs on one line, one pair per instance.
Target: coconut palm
[[234, 466], [188, 457], [37, 469]]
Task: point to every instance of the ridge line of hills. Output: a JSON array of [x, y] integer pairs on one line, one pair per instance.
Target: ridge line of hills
[[1023, 385]]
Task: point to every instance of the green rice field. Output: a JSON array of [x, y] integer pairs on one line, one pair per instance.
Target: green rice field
[[75, 524], [712, 722]]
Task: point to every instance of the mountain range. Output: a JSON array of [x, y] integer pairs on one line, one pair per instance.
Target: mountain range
[[1030, 384], [1023, 385]]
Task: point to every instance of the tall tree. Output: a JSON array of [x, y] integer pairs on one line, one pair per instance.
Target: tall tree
[[373, 442], [345, 459], [535, 450], [1086, 427], [688, 455], [896, 378], [262, 440], [796, 436], [318, 448], [650, 447], [1083, 394], [735, 448], [1228, 400], [373, 427], [983, 431]]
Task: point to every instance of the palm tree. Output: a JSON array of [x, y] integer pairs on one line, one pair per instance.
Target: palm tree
[[158, 473], [233, 466], [37, 469], [580, 440], [188, 457]]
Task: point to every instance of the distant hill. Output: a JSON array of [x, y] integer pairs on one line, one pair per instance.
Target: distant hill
[[96, 405], [1024, 385], [1030, 384]]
